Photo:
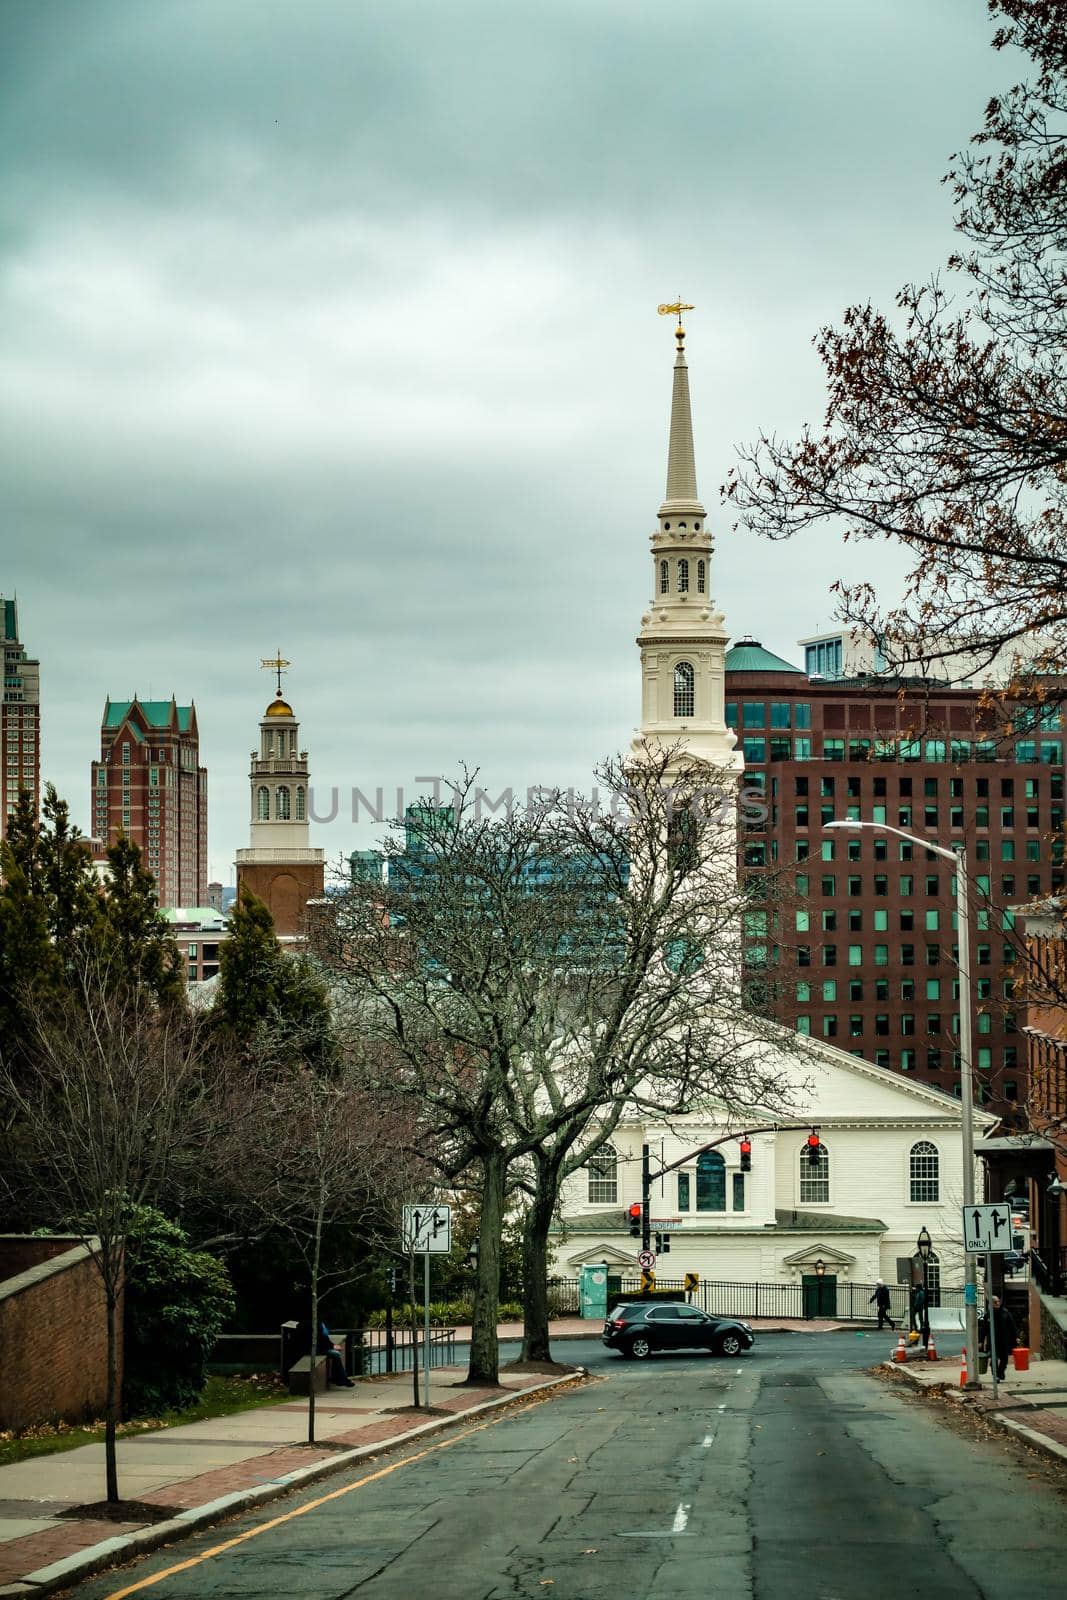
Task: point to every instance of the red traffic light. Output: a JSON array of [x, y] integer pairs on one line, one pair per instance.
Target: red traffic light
[[746, 1154], [634, 1212], [813, 1141], [746, 1147], [814, 1148]]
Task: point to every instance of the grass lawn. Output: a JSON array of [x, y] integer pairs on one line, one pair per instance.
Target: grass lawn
[[220, 1398]]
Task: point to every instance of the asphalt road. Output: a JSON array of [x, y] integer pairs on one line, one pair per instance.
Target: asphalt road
[[785, 1472]]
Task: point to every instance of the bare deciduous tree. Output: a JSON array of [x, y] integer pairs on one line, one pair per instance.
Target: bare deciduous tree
[[522, 980], [117, 1102], [946, 427]]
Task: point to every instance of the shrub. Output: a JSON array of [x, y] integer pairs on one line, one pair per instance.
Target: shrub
[[444, 1313], [177, 1303]]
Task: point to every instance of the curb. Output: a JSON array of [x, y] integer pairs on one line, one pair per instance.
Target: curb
[[1040, 1441], [127, 1546]]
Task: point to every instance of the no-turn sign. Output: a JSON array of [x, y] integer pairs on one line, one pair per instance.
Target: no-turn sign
[[646, 1259]]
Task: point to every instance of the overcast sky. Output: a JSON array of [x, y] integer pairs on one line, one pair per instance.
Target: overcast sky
[[332, 326]]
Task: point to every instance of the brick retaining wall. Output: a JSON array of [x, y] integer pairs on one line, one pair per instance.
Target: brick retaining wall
[[53, 1335]]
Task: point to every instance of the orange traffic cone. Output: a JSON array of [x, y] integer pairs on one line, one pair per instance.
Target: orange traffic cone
[[963, 1369], [931, 1348], [900, 1353]]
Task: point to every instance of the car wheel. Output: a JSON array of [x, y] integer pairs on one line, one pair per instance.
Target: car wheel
[[730, 1344], [640, 1348]]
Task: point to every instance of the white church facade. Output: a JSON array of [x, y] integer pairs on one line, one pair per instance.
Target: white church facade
[[891, 1148]]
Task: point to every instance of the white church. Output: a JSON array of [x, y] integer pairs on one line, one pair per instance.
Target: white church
[[890, 1149]]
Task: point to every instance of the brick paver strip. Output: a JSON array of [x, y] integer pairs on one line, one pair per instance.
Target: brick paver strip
[[240, 1475], [34, 1550]]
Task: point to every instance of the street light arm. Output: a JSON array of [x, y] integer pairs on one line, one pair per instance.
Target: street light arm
[[883, 827]]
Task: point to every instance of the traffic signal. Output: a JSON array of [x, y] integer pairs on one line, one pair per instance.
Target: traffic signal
[[746, 1154], [390, 1278], [663, 1244], [634, 1214], [813, 1148], [472, 1252]]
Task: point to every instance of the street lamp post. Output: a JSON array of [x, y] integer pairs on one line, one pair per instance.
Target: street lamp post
[[958, 857]]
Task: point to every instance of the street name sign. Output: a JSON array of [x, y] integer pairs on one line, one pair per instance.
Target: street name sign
[[987, 1229], [427, 1230], [646, 1258]]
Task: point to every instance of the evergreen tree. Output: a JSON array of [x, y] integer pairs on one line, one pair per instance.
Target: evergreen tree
[[67, 882], [272, 1004], [142, 949]]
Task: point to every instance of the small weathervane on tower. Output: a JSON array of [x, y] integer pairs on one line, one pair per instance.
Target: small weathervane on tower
[[675, 309], [277, 664]]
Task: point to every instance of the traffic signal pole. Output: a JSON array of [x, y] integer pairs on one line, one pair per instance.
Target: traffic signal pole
[[646, 1203]]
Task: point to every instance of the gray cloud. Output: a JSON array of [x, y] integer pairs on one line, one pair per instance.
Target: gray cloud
[[333, 326]]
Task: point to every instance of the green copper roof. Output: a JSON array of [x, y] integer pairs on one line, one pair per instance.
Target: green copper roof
[[157, 713], [748, 655]]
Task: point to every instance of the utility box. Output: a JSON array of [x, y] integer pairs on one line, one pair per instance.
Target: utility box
[[593, 1292]]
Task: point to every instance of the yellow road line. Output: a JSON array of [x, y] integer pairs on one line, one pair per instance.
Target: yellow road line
[[312, 1505]]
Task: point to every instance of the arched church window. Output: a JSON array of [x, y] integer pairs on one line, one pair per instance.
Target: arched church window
[[301, 804], [604, 1177], [684, 689], [683, 577], [263, 803], [814, 1181], [711, 1181], [281, 803], [925, 1174], [702, 577], [664, 578]]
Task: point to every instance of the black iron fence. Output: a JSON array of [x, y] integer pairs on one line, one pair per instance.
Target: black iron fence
[[832, 1298], [371, 1351]]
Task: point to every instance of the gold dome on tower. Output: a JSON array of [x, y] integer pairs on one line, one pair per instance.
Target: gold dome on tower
[[279, 708]]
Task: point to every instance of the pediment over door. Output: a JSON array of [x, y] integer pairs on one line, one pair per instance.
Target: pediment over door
[[803, 1261], [607, 1254]]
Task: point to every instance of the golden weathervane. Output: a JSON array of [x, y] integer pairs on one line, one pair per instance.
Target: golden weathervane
[[277, 664], [675, 310]]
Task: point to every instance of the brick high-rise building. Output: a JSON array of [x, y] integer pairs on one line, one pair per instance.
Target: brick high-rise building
[[863, 955], [20, 716], [149, 785]]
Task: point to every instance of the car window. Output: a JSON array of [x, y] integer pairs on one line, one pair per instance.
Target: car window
[[690, 1314], [664, 1314]]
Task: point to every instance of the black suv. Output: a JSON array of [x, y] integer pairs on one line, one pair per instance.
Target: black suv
[[639, 1328]]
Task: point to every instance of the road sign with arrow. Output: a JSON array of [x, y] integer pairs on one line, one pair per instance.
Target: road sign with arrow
[[646, 1259], [987, 1229]]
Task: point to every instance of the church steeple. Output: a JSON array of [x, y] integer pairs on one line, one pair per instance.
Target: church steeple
[[681, 497], [682, 639]]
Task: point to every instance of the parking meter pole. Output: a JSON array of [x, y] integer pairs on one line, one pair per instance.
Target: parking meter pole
[[990, 1322], [426, 1327], [646, 1220]]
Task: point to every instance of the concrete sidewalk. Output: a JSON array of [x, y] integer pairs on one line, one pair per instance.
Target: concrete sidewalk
[[1032, 1404], [590, 1328], [204, 1471]]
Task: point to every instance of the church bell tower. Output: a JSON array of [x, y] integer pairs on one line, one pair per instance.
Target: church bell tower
[[280, 866]]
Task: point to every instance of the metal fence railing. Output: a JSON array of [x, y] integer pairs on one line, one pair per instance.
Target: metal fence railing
[[830, 1297], [371, 1351]]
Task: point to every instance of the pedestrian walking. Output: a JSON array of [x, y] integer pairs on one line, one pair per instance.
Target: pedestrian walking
[[880, 1298], [921, 1314], [1006, 1335]]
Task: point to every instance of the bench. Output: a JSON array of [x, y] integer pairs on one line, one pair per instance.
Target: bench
[[301, 1375]]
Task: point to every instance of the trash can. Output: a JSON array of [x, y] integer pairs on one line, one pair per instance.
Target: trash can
[[1021, 1358]]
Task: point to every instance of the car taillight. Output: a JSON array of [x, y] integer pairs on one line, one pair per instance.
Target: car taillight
[[618, 1323]]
